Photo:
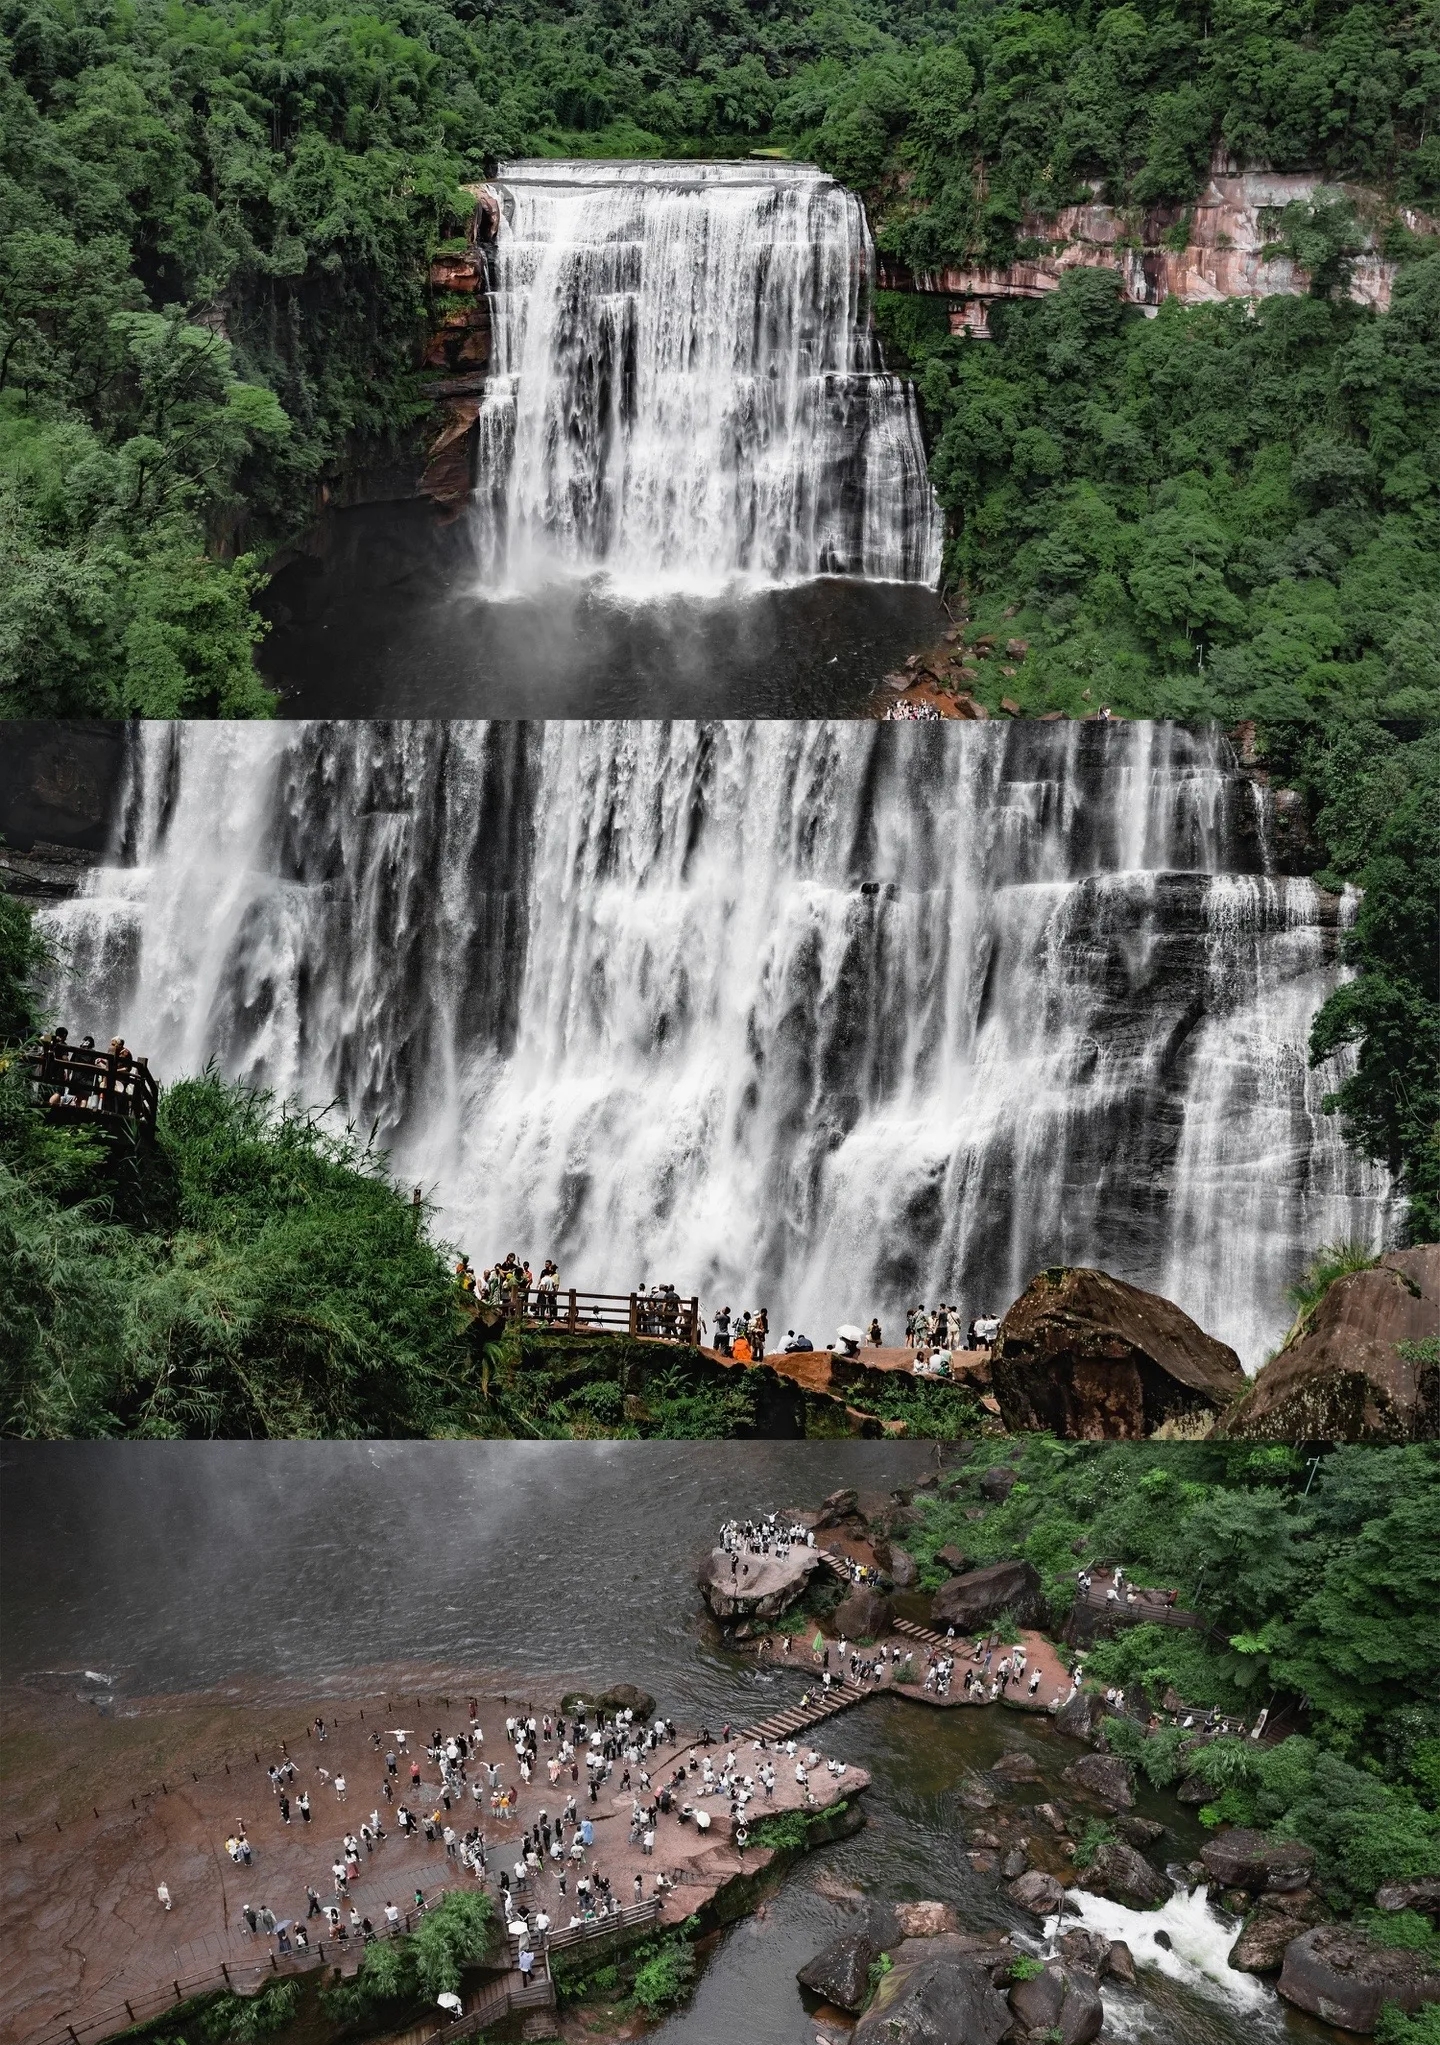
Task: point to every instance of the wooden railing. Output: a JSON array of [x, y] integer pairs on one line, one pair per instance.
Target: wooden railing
[[90, 1086], [667, 1319], [637, 1916]]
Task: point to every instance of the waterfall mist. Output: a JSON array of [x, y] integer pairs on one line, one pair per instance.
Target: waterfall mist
[[827, 1017], [685, 389]]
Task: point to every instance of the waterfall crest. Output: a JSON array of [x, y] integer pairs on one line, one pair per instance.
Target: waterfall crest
[[685, 389], [829, 1017]]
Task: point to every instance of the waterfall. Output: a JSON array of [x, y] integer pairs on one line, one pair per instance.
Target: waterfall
[[828, 1017], [685, 389]]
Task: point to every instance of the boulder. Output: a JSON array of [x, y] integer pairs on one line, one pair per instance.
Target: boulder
[[1125, 1876], [1088, 1357], [1080, 1718], [619, 1697], [925, 1920], [1089, 1951], [862, 1614], [758, 1586], [1270, 1927], [1105, 1776], [1013, 1864], [841, 1974], [1120, 1962], [898, 1564], [840, 1505], [1053, 1816], [1017, 1766], [1038, 1893], [1062, 2005], [1194, 1789], [1245, 1859], [975, 1792], [1336, 1973], [979, 1596], [998, 1483], [952, 1559], [940, 1991], [1344, 1378], [1139, 1831], [1422, 1894]]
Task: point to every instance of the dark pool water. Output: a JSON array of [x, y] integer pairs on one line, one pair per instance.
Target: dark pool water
[[390, 622], [191, 1565]]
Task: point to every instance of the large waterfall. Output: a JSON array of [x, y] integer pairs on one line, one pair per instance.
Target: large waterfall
[[685, 390], [828, 1017]]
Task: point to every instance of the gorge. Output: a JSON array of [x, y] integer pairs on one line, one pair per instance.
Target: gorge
[[829, 1018]]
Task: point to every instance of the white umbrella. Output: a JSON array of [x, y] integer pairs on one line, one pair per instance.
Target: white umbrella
[[850, 1333], [451, 2003]]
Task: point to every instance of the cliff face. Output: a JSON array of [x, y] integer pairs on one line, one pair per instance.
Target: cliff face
[[1223, 257]]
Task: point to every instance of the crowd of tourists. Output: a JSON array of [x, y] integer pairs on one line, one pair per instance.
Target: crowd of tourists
[[907, 711], [513, 1286], [83, 1076], [743, 1336]]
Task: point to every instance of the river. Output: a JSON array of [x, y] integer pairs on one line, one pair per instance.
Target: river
[[234, 1565]]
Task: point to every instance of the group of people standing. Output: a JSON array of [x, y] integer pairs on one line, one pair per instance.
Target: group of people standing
[[510, 1284], [743, 1338], [83, 1076]]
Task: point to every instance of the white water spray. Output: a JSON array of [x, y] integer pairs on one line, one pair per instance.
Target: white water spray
[[685, 389]]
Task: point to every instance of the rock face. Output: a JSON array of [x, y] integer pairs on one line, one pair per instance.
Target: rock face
[[1038, 1893], [862, 1614], [1270, 1927], [940, 1991], [1125, 1876], [1244, 1859], [1086, 1356], [1345, 1379], [1337, 1974], [1062, 2005], [1105, 1776], [758, 1586], [979, 1596], [953, 1560], [841, 1974], [1422, 1894], [925, 1920], [1017, 1766]]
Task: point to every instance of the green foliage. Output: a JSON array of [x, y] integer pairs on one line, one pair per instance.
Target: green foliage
[[1025, 1967], [455, 1932], [1331, 1261], [666, 1977], [1096, 1834], [1396, 2028], [1405, 1929], [246, 2019]]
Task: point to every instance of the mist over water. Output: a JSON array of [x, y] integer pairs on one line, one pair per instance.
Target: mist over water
[[232, 1565], [830, 1018]]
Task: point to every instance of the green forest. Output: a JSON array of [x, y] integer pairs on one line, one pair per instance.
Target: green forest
[[1320, 1579], [215, 228]]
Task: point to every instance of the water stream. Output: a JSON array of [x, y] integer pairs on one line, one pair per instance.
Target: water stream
[[832, 1018]]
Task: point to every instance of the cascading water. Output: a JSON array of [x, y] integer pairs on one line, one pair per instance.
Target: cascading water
[[830, 1017], [685, 389], [1193, 1952]]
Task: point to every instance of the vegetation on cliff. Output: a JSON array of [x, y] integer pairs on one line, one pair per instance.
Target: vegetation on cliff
[[1321, 1582]]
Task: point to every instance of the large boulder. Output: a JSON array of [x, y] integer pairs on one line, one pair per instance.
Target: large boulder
[[1088, 1357], [1038, 1893], [953, 1559], [619, 1697], [1062, 2005], [1337, 1973], [1423, 1894], [998, 1483], [1105, 1776], [940, 1991], [1245, 1859], [979, 1597], [925, 1920], [1344, 1378], [755, 1586], [862, 1614], [841, 1974], [1081, 1718], [1270, 1927], [840, 1505], [1125, 1876]]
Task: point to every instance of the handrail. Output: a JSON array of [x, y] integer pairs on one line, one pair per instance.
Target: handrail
[[666, 1319], [616, 1920], [85, 1084]]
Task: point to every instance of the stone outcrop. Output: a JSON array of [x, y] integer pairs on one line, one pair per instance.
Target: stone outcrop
[[1125, 1876], [841, 1974], [1423, 1894], [980, 1596], [1246, 1859], [862, 1614], [1086, 1356], [1227, 232], [1105, 1776], [1270, 1927], [940, 1991], [1337, 1973], [619, 1697], [1038, 1893], [758, 1586], [1062, 2005], [1344, 1377]]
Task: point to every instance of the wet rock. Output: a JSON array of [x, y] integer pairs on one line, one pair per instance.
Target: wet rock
[[1013, 1864], [863, 1614], [1105, 1776], [1422, 1895], [1125, 1876], [840, 1505], [1052, 1815], [1061, 2005], [841, 1973], [1038, 1893], [998, 1483], [979, 1596], [1017, 1766], [984, 1863], [1337, 1974], [1194, 1790], [760, 1587], [952, 1559], [619, 1697], [1139, 1831], [1087, 1950], [940, 1991], [1086, 1356], [1245, 1859], [1270, 1927], [975, 1792], [1120, 1962], [925, 1920], [1345, 1378], [1080, 1718]]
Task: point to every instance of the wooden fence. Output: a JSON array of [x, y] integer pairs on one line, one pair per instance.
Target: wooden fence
[[666, 1319], [92, 1087]]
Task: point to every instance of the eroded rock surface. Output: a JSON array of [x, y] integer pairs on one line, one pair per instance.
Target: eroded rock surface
[[1337, 1974], [979, 1596], [755, 1586]]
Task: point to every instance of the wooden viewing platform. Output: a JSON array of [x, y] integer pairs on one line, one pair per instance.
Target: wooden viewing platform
[[665, 1319], [95, 1088]]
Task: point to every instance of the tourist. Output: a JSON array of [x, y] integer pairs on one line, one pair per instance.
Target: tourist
[[875, 1339], [162, 1890]]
